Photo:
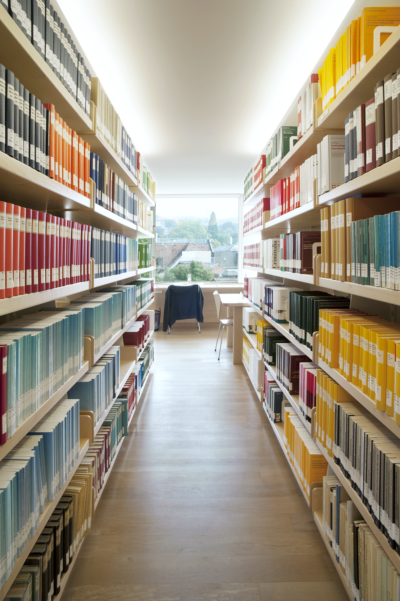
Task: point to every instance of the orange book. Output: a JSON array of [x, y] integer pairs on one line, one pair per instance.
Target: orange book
[[370, 19], [16, 225], [87, 170], [9, 251], [64, 153], [81, 166], [60, 150], [69, 139], [2, 249], [21, 289], [74, 161], [358, 45], [52, 136]]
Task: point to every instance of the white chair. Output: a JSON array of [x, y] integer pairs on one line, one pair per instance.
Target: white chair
[[222, 322]]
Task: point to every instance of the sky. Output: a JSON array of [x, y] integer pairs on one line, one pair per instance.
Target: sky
[[224, 208]]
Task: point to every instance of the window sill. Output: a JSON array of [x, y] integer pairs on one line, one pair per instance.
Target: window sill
[[214, 286]]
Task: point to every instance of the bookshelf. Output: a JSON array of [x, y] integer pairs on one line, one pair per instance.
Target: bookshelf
[[305, 217], [283, 328], [104, 219], [261, 192], [253, 341], [43, 519], [258, 393], [144, 233], [257, 231], [145, 269], [384, 295], [287, 275], [19, 55], [142, 194]]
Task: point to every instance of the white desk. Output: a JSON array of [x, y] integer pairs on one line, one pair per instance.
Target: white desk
[[235, 303]]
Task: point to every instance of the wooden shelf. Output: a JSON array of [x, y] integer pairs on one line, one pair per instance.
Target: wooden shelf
[[144, 233], [18, 54], [142, 194], [283, 328], [43, 519], [381, 180], [361, 398], [258, 393], [278, 431], [25, 301], [145, 269], [35, 418], [104, 219], [114, 279], [305, 217], [252, 338], [100, 147], [20, 184], [287, 275], [318, 519], [304, 149], [361, 88], [261, 192], [294, 400], [391, 553], [371, 292]]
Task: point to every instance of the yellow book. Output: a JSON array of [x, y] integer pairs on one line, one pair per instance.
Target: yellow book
[[348, 322], [324, 414], [391, 376], [344, 60], [397, 385], [338, 67], [322, 334], [358, 45], [348, 54], [370, 19], [333, 341], [330, 417], [384, 394], [353, 52], [317, 467], [356, 355]]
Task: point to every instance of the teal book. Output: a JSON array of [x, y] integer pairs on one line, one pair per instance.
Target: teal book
[[377, 264], [388, 254], [382, 250], [371, 251], [365, 253]]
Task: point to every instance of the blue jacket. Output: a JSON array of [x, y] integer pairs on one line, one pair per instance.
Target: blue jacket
[[182, 302]]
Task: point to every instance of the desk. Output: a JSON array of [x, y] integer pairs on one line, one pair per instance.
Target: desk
[[235, 302]]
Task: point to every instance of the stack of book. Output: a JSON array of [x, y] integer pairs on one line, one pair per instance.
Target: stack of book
[[354, 49], [256, 216], [49, 35], [138, 334], [52, 342], [112, 253], [307, 461], [250, 319], [98, 387], [111, 192], [254, 290], [271, 338], [37, 136], [291, 252], [288, 363], [252, 256], [360, 556], [273, 399], [128, 301]]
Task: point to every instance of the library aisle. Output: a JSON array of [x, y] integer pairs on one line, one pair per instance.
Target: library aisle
[[201, 503]]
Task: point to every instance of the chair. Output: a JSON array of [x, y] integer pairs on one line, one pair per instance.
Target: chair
[[183, 302], [222, 322]]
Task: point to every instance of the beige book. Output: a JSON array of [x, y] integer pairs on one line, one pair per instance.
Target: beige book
[[333, 242], [341, 241]]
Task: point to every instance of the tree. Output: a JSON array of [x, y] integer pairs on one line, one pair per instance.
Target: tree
[[213, 226], [160, 231], [191, 228], [170, 223], [228, 225], [180, 272], [200, 273]]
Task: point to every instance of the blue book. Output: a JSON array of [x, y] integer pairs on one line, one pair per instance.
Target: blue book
[[382, 250], [387, 239]]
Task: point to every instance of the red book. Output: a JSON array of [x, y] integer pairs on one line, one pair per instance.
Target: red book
[[3, 393], [42, 239], [35, 251], [2, 249], [49, 250], [52, 139], [22, 235], [370, 142], [58, 251], [68, 253], [84, 251], [80, 253], [88, 243], [73, 252], [61, 247], [16, 220], [74, 161], [28, 251], [60, 144], [87, 170], [81, 166], [69, 156], [51, 221]]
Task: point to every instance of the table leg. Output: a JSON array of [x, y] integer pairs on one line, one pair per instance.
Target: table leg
[[237, 335], [229, 336]]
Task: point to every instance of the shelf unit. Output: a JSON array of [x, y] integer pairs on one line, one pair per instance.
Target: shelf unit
[[278, 431], [146, 379], [293, 399], [306, 217], [19, 55], [261, 192], [145, 269], [142, 194], [143, 309], [26, 301], [258, 393], [287, 275], [145, 344], [380, 294], [257, 231], [114, 279], [43, 519], [253, 341]]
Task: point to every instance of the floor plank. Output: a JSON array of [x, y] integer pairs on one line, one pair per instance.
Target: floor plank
[[201, 504]]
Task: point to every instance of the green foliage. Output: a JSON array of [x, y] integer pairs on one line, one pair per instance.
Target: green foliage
[[160, 231], [213, 226], [180, 272], [191, 228], [215, 243], [200, 273], [170, 222]]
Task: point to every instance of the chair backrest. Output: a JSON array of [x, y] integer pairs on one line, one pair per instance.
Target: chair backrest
[[217, 303]]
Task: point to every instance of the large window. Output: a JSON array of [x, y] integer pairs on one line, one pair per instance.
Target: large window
[[197, 239]]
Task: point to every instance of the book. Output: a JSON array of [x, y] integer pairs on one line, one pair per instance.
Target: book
[[370, 19], [380, 123], [370, 141], [387, 98], [395, 146]]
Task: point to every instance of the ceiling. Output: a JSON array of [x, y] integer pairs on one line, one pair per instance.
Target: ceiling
[[202, 84]]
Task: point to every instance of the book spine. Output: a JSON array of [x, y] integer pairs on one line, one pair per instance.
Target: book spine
[[42, 239], [22, 236], [35, 251], [9, 113], [395, 145], [26, 125], [16, 257], [2, 249], [28, 251], [370, 142], [379, 124]]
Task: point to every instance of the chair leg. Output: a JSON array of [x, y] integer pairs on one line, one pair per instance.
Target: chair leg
[[216, 344], [222, 337], [198, 325], [169, 329]]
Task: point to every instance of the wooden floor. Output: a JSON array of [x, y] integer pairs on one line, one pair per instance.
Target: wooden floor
[[201, 504]]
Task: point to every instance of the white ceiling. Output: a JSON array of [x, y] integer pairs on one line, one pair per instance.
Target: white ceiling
[[202, 84]]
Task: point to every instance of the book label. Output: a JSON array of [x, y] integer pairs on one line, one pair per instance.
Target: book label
[[379, 150]]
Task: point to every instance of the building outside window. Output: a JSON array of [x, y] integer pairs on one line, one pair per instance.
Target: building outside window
[[197, 236]]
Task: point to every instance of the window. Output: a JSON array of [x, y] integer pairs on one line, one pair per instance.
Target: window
[[197, 237]]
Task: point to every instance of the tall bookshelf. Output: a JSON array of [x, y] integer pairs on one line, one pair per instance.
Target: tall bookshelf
[[22, 185], [382, 181]]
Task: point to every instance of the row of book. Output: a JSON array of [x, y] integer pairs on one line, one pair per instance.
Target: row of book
[[367, 453], [330, 161], [113, 254], [39, 251], [145, 253], [363, 349], [362, 38], [253, 289], [145, 217], [305, 105], [296, 190], [327, 395], [289, 360], [49, 35], [111, 192], [291, 252], [98, 387], [250, 318], [251, 362], [257, 216], [138, 334], [274, 401], [252, 256], [32, 474], [369, 572], [36, 135]]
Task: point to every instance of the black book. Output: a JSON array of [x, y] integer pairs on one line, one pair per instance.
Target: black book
[[57, 44], [5, 3], [38, 556], [47, 139], [15, 10], [38, 135], [21, 122], [32, 130], [68, 499], [29, 20], [62, 52], [24, 14], [2, 108], [16, 118], [26, 126], [35, 25], [42, 28], [37, 561], [65, 507], [44, 136], [48, 540], [56, 525], [88, 90], [48, 35]]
